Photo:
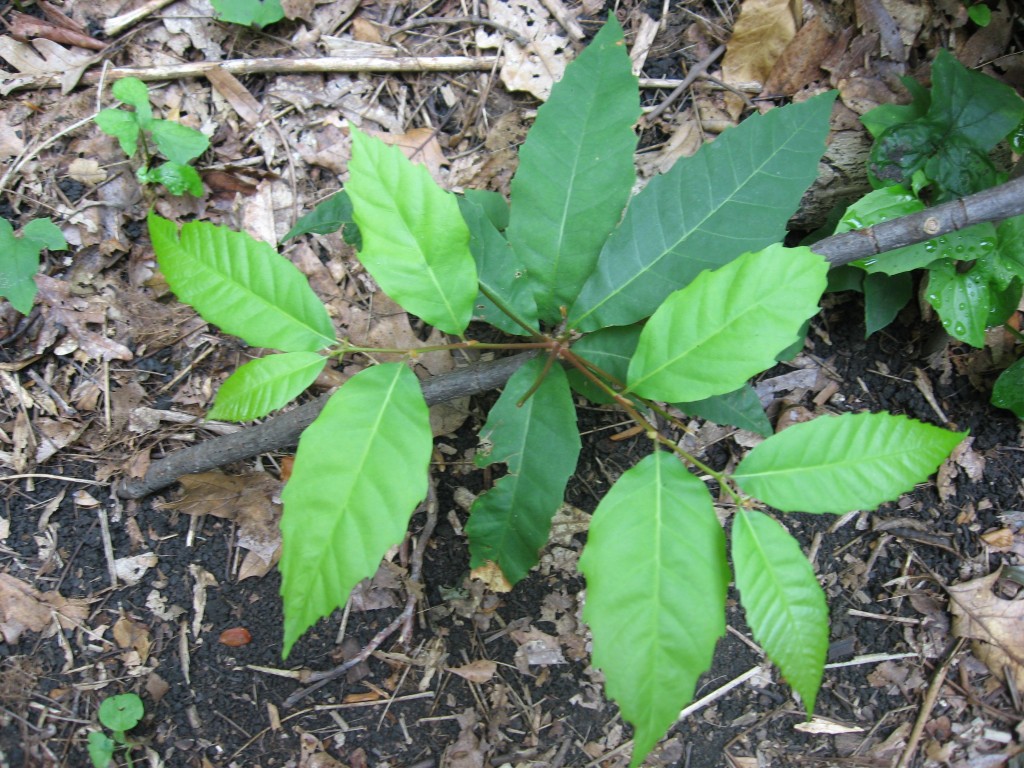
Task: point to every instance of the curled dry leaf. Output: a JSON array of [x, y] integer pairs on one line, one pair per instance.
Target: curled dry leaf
[[994, 624], [762, 32], [479, 671], [490, 574], [23, 607]]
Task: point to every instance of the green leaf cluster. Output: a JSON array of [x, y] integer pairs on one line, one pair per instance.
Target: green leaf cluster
[[119, 713], [678, 294], [932, 150], [19, 259], [178, 143]]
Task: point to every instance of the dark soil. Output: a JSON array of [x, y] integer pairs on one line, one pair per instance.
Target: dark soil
[[224, 705]]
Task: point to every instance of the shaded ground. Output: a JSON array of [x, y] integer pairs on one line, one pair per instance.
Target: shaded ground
[[436, 701]]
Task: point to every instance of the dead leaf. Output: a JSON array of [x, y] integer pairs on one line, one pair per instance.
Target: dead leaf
[[36, 63], [23, 607], [994, 624], [800, 62], [479, 671], [134, 635], [246, 499], [490, 574], [312, 754], [76, 313], [469, 750], [762, 32], [536, 649], [537, 66], [130, 570]]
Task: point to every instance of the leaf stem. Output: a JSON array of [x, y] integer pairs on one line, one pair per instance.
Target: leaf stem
[[508, 312]]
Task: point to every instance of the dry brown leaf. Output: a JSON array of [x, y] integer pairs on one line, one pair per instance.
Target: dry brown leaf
[[469, 750], [134, 635], [800, 62], [994, 624], [491, 575], [23, 607], [41, 59], [479, 671], [762, 32], [76, 313], [130, 570], [312, 755], [249, 501], [419, 145], [535, 68]]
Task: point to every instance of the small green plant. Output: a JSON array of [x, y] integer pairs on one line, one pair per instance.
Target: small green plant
[[930, 151], [249, 13], [677, 296], [980, 14], [119, 714], [178, 143], [19, 259]]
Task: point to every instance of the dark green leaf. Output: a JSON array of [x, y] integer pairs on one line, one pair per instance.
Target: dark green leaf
[[329, 215], [845, 278], [884, 297], [902, 150], [576, 171], [741, 408], [735, 195], [960, 169], [656, 585], [19, 259], [1009, 389], [880, 119], [609, 349], [971, 103], [494, 205], [499, 271], [980, 14], [539, 442]]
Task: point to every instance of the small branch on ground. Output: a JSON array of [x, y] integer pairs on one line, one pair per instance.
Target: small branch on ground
[[238, 67], [283, 430]]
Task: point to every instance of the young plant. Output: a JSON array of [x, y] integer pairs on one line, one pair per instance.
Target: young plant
[[933, 150], [679, 295], [19, 261], [119, 714], [178, 143]]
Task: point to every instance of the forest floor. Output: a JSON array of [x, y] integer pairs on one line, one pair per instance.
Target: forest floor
[[174, 596]]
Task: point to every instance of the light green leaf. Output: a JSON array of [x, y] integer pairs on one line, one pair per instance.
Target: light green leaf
[[727, 325], [254, 13], [241, 284], [45, 234], [415, 243], [177, 177], [882, 205], [784, 604], [266, 384], [135, 93], [122, 712], [741, 408], [656, 585], [499, 271], [178, 142], [843, 463], [19, 259], [539, 442], [576, 171], [101, 749], [360, 470], [735, 195], [123, 126]]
